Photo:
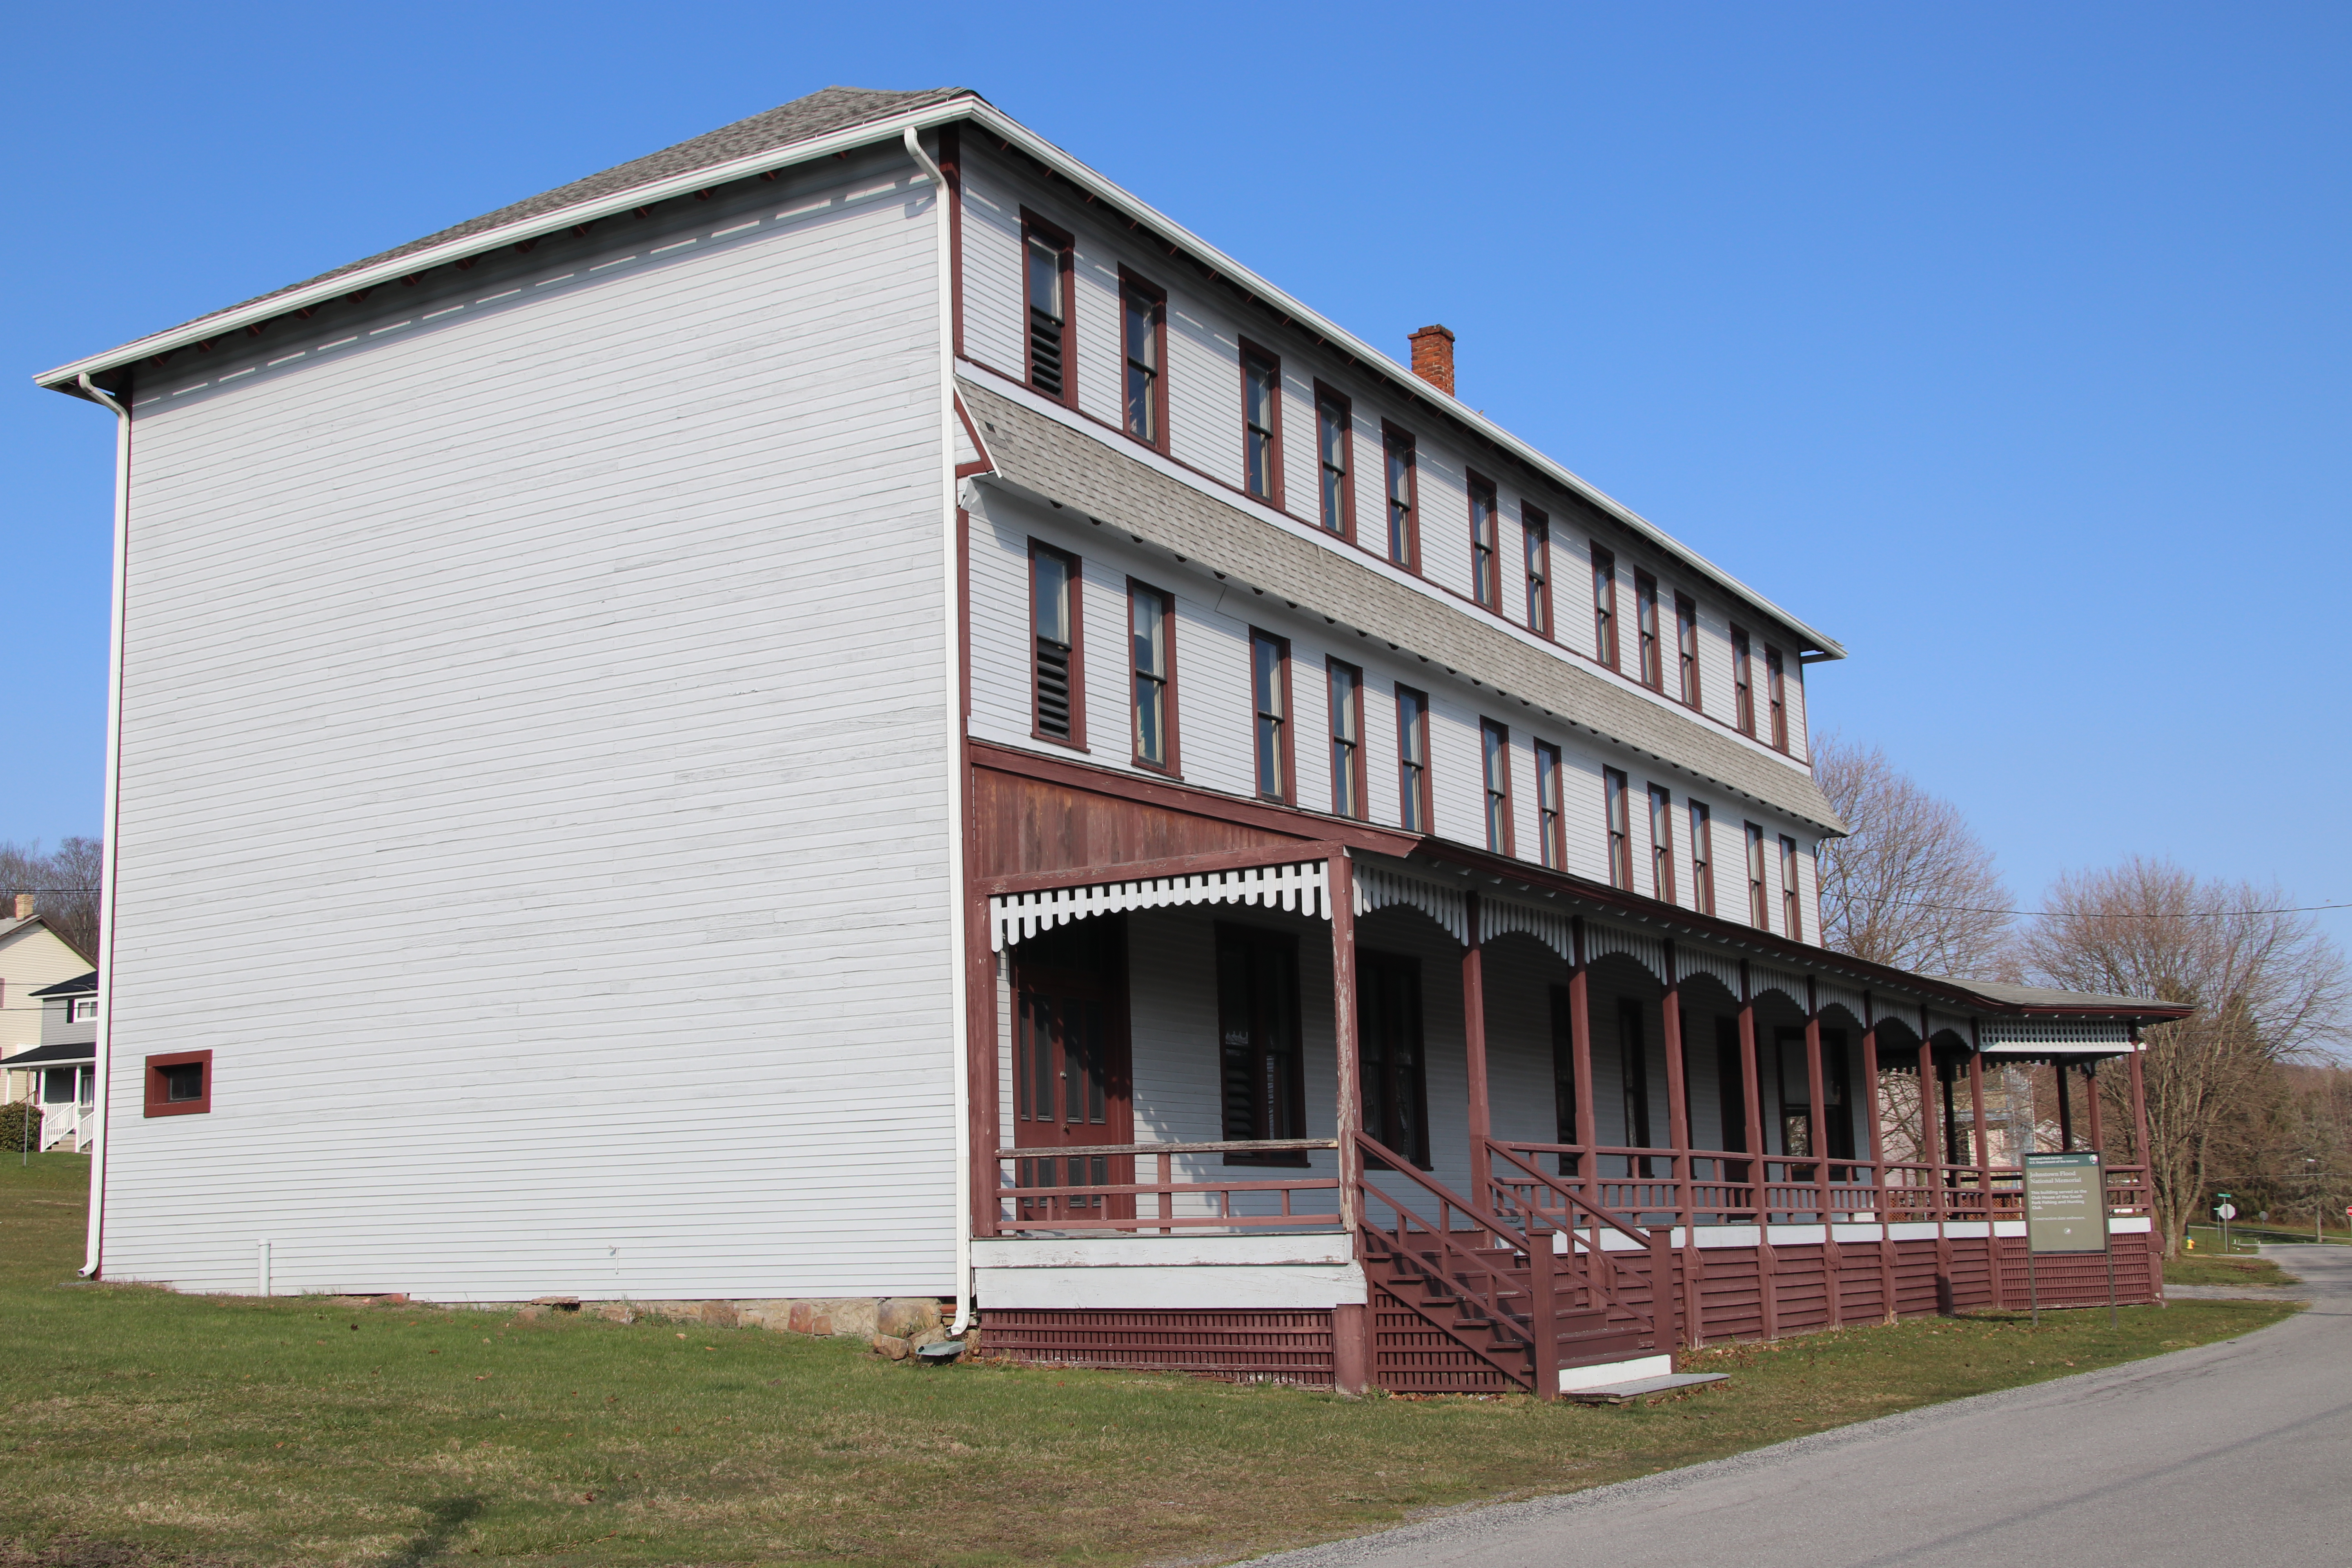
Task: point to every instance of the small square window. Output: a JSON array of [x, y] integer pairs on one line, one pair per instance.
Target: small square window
[[180, 1084]]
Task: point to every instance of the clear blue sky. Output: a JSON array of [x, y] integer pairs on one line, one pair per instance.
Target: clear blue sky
[[2006, 342]]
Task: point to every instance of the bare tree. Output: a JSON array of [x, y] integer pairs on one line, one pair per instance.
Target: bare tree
[[2268, 985], [1911, 885], [64, 884]]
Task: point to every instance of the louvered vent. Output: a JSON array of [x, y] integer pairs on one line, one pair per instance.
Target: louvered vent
[[1052, 689]]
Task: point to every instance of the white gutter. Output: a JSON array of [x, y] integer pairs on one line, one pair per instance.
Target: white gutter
[[892, 128], [951, 663], [96, 1230]]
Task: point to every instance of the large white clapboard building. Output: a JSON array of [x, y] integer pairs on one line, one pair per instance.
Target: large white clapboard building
[[846, 710]]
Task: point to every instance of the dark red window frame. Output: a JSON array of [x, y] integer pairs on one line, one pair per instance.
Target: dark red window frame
[[1273, 494], [1335, 494], [1348, 764], [1552, 824], [1400, 528], [1776, 697], [1035, 228], [1792, 903], [1743, 683], [158, 1084], [1134, 289], [1534, 534], [1646, 627], [1076, 664], [1617, 803], [1702, 833], [1494, 763], [1661, 844], [1286, 726], [1604, 605], [1686, 647], [1172, 763], [1416, 802], [1759, 903], [1486, 548]]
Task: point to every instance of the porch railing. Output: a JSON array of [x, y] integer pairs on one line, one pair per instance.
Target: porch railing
[[1037, 1192]]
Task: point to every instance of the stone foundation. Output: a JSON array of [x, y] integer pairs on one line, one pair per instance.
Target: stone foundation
[[918, 1319]]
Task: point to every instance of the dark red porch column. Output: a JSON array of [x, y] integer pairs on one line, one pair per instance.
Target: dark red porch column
[[1351, 1323], [1817, 1134], [1473, 1038], [1751, 1090]]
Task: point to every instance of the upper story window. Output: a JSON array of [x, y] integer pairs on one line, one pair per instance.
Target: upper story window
[[1743, 684], [1270, 696], [1047, 257], [1759, 908], [1620, 828], [1661, 844], [1549, 822], [82, 1010], [1686, 645], [1143, 346], [1334, 455], [1151, 642], [1645, 620], [1486, 568], [1262, 426], [1404, 515], [1792, 919], [1347, 738], [1776, 696], [1604, 606], [1413, 760], [1535, 530], [1494, 741], [1702, 849], [1055, 712]]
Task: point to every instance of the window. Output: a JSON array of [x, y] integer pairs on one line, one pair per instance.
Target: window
[[1413, 760], [1347, 738], [1056, 713], [1645, 618], [1633, 1072], [1620, 829], [1151, 643], [180, 1084], [1485, 581], [1262, 426], [1702, 830], [1494, 741], [1387, 1010], [1661, 844], [1743, 689], [1563, 1072], [1793, 919], [1686, 645], [1534, 528], [1604, 606], [1549, 822], [1047, 250], [1270, 696], [1404, 519], [1776, 697], [1262, 1080], [1143, 349], [82, 1010], [1760, 912], [1335, 448]]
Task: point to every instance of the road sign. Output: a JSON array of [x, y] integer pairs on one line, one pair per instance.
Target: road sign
[[2227, 1211], [2065, 1204]]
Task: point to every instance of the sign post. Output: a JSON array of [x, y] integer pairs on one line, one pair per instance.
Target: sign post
[[2225, 1211], [2065, 1212]]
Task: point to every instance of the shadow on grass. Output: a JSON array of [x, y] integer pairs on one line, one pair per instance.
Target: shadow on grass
[[446, 1518]]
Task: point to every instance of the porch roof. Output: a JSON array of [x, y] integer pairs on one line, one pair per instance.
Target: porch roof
[[54, 1055]]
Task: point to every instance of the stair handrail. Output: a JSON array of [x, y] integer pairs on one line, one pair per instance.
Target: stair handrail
[[1574, 1200], [1599, 1271]]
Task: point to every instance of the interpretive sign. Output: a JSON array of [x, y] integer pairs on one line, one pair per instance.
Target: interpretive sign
[[2065, 1204]]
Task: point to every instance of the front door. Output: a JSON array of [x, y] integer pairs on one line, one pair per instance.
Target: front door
[[1070, 1070]]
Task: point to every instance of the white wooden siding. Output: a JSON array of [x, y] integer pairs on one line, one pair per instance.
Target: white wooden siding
[[554, 669]]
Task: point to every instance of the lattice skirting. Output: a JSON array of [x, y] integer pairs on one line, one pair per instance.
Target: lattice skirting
[[1288, 1346]]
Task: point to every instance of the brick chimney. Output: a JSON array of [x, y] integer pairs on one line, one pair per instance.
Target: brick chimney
[[1432, 357], [24, 906]]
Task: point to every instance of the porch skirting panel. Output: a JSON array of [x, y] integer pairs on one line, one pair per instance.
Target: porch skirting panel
[[1242, 1346]]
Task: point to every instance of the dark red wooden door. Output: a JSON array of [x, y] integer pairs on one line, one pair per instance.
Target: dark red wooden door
[[1071, 1086]]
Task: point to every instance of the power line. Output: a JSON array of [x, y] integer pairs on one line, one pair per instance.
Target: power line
[[2116, 915]]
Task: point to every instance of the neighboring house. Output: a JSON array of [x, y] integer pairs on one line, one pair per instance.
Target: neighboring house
[[32, 956], [846, 710], [63, 1066]]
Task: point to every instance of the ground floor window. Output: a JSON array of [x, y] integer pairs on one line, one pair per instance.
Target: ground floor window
[[1262, 1079], [1396, 1093]]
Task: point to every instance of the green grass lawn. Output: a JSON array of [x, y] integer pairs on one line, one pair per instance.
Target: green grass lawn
[[145, 1428]]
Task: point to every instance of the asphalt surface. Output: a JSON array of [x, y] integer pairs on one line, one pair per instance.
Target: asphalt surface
[[2238, 1453]]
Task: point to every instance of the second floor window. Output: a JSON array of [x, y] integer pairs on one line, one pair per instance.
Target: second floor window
[[1413, 760], [1347, 738], [1405, 521], [1143, 310], [1549, 822], [1485, 585], [1270, 696], [1047, 260], [1494, 741], [1743, 684], [1620, 829], [1686, 645], [1792, 919], [1334, 451], [1535, 530], [1776, 697], [1262, 427], [1661, 844], [1604, 606], [1702, 850], [1053, 667], [1760, 907], [1645, 618], [1152, 636]]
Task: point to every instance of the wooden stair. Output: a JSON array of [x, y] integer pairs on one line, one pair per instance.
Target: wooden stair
[[1433, 1333]]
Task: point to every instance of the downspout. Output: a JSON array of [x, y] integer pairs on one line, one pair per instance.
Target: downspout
[[950, 643], [97, 1221]]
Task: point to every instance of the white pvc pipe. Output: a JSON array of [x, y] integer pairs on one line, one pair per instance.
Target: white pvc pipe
[[110, 830]]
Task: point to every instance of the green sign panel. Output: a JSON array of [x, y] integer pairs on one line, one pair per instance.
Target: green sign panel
[[2065, 1204]]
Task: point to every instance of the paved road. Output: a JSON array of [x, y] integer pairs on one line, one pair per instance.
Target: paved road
[[2237, 1453]]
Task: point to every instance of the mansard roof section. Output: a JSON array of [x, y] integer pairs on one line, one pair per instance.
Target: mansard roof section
[[1035, 453]]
